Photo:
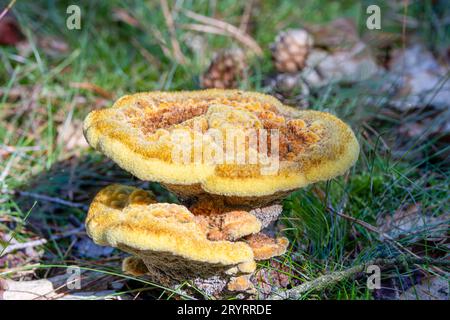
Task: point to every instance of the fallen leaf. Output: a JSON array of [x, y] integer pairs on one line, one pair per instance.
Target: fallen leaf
[[435, 288], [419, 78], [350, 65], [10, 33], [437, 125], [411, 222], [55, 288], [395, 284]]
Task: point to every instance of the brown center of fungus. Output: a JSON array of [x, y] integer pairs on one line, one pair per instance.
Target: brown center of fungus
[[147, 115]]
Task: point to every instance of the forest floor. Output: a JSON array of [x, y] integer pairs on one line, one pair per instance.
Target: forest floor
[[392, 204]]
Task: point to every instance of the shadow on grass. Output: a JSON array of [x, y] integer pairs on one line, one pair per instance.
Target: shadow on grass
[[57, 201]]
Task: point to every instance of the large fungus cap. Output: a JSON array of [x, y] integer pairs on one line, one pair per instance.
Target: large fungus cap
[[138, 134], [166, 237]]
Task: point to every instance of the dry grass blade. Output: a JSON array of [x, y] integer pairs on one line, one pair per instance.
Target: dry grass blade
[[227, 29], [93, 88], [173, 39], [204, 28], [246, 16], [8, 7], [146, 54], [122, 15]]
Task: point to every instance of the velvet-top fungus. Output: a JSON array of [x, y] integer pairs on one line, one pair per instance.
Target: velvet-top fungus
[[136, 134], [171, 242], [230, 156]]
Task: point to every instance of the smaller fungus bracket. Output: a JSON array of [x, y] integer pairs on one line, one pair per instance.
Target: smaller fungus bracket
[[166, 237]]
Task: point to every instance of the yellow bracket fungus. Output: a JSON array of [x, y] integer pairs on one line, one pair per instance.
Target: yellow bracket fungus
[[214, 149]]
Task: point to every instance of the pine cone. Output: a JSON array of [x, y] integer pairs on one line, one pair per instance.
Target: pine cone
[[290, 50], [225, 70], [290, 88]]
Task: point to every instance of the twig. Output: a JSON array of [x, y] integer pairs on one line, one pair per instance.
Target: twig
[[333, 278], [52, 199], [364, 224], [38, 242], [227, 29], [173, 37]]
